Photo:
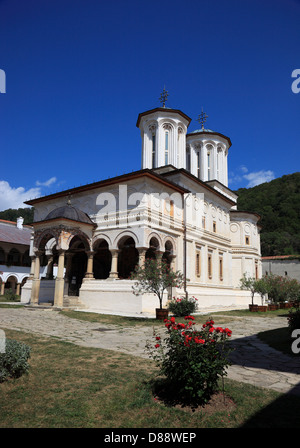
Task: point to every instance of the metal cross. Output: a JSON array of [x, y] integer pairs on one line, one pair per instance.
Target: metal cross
[[163, 97], [202, 118]]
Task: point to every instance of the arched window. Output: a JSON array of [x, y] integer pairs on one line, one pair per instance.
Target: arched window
[[153, 143], [167, 129], [188, 158], [209, 162], [166, 147], [198, 164]]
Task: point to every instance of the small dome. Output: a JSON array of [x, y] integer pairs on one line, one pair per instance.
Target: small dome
[[202, 130], [69, 212]]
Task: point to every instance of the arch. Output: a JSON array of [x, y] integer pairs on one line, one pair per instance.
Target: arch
[[102, 259], [169, 244], [155, 236], [101, 237], [79, 241], [122, 237], [77, 235], [128, 257], [51, 243], [11, 282], [41, 238], [154, 246]]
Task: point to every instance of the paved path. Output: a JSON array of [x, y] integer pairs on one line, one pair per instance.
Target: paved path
[[252, 361]]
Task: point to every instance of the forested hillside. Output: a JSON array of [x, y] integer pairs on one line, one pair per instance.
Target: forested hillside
[[13, 214], [278, 203]]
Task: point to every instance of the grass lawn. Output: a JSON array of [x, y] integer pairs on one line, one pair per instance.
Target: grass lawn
[[69, 386], [76, 387]]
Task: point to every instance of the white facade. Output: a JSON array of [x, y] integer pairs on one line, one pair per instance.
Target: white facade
[[188, 216]]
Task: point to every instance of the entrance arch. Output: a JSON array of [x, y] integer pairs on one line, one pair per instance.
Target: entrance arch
[[153, 247], [128, 257], [102, 260], [77, 264]]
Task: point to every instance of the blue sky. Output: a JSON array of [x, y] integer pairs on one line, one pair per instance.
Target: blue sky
[[78, 73]]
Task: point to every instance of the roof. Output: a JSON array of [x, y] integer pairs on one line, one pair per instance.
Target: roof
[[68, 211], [199, 181], [209, 131], [162, 109], [10, 233], [114, 180]]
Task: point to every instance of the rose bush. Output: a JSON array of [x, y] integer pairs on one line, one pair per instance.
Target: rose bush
[[192, 361]]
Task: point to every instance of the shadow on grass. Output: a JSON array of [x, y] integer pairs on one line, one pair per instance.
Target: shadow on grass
[[281, 413], [169, 395]]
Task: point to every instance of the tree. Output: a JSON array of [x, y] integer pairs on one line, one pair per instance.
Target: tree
[[262, 287], [249, 284], [155, 277]]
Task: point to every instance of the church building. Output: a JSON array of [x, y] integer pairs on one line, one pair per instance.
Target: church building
[[178, 207]]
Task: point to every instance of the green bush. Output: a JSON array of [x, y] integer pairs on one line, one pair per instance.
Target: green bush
[[14, 361], [183, 306], [294, 318], [10, 295], [192, 361]]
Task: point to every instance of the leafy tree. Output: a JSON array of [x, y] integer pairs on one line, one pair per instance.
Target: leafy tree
[[155, 277]]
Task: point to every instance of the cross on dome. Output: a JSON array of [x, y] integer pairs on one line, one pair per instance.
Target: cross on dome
[[163, 97], [202, 118]]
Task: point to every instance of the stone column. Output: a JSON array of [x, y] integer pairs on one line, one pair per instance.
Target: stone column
[[35, 291], [60, 281], [89, 270], [32, 267], [2, 289], [142, 256], [18, 289], [114, 263], [159, 255], [49, 274], [173, 262]]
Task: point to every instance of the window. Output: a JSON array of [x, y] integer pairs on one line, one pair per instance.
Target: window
[[247, 240], [203, 222], [198, 264], [198, 165], [256, 270], [153, 150], [221, 267], [214, 226], [166, 147], [209, 265], [188, 159], [208, 165]]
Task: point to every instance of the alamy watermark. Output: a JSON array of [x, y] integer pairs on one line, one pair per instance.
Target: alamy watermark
[[189, 206], [2, 81], [296, 84], [296, 344]]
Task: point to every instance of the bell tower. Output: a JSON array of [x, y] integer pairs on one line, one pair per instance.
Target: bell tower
[[163, 132], [206, 153]]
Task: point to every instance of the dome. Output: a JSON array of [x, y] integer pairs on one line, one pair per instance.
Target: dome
[[69, 212], [202, 130]]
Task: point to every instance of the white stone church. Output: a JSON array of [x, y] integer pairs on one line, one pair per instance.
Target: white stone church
[[178, 206]]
